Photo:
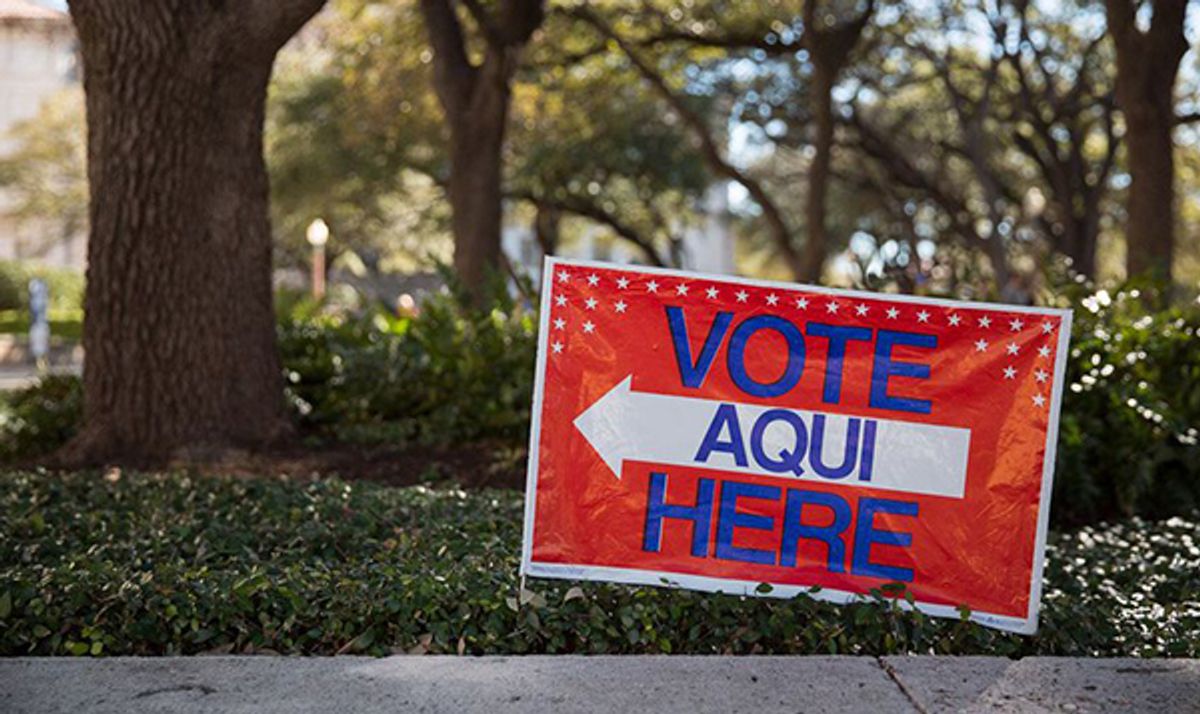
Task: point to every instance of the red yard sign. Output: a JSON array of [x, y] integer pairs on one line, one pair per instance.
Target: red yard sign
[[719, 433]]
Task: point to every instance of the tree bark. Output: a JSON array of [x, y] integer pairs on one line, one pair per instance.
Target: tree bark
[[1147, 65], [180, 331]]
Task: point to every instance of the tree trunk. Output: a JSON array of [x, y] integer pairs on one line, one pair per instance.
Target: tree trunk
[[1150, 230], [816, 245], [475, 99], [475, 190], [1079, 236], [180, 332], [547, 228]]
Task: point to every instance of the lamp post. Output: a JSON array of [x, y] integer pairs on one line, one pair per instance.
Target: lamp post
[[318, 235]]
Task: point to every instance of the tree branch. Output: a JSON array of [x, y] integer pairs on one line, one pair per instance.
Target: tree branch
[[519, 19], [597, 213], [709, 148], [273, 22]]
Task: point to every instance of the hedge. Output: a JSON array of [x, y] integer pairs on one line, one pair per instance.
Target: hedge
[[66, 286], [167, 564], [1129, 442]]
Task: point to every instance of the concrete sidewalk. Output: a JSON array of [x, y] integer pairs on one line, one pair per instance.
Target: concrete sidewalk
[[494, 685]]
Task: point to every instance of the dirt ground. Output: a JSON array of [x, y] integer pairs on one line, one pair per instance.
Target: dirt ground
[[476, 465]]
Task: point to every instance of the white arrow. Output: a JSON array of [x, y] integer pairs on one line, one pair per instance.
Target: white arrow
[[624, 425]]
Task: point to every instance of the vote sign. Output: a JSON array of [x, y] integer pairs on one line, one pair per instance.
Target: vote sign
[[718, 433]]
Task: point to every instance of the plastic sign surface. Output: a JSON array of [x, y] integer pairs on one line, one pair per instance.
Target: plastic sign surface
[[718, 433]]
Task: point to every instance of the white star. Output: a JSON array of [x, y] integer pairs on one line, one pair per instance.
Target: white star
[[802, 303], [922, 316], [985, 321], [832, 307], [590, 303], [1047, 327], [560, 300], [712, 293], [1043, 351], [1016, 325], [593, 279], [681, 289], [861, 309], [954, 319], [742, 295], [589, 327], [1039, 400], [557, 347], [981, 345], [559, 323], [620, 306], [893, 313], [1010, 373], [562, 276], [622, 282], [1041, 375], [772, 299], [652, 286], [1013, 348]]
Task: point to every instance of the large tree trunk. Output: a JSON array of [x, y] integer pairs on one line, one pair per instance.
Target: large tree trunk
[[816, 244], [179, 333]]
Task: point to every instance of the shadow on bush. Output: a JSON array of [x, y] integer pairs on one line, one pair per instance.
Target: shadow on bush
[[451, 373], [37, 420], [1131, 410]]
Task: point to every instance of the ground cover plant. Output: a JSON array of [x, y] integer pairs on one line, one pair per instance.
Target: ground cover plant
[[116, 563]]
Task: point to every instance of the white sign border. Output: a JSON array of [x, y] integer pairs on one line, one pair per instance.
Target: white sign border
[[1025, 626]]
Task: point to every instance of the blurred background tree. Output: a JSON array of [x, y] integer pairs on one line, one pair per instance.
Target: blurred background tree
[[45, 174], [953, 147]]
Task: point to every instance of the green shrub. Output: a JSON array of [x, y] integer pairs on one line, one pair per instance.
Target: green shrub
[[64, 324], [13, 292], [66, 286], [1131, 412], [453, 373], [157, 564], [38, 419]]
